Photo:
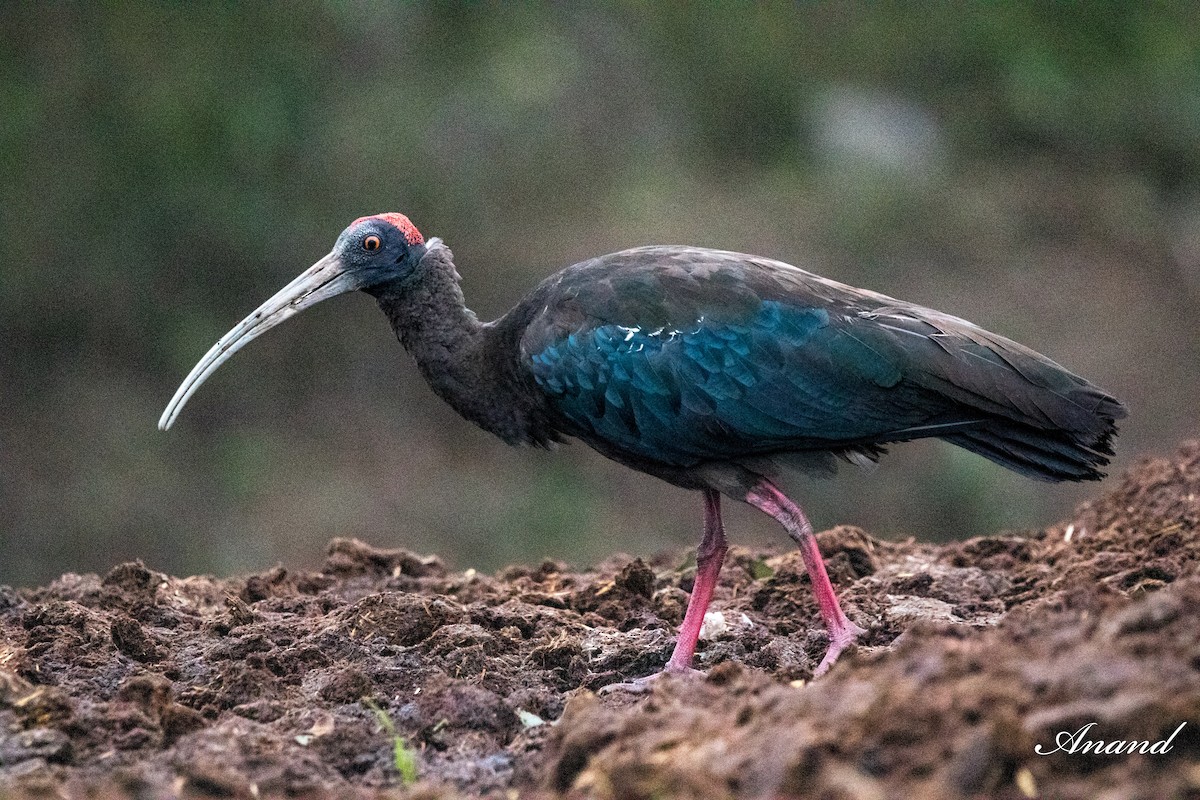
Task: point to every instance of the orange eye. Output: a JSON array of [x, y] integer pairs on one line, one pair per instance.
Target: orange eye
[[371, 243]]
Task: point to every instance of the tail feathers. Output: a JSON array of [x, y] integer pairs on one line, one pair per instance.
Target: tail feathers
[[1038, 418], [1043, 454]]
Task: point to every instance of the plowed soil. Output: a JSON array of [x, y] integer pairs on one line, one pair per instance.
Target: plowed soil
[[979, 653]]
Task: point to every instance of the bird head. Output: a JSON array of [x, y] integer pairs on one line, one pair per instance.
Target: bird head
[[371, 252], [378, 249]]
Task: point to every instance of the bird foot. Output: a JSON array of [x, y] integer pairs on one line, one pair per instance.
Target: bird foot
[[841, 640], [643, 685]]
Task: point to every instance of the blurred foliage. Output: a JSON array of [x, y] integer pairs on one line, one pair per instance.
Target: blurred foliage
[[165, 167]]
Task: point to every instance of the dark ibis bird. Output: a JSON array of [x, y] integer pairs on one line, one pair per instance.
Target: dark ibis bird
[[712, 370]]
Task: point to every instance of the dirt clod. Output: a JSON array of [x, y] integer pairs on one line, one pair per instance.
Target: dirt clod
[[979, 658]]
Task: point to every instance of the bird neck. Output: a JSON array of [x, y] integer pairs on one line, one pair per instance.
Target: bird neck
[[428, 312], [462, 359]]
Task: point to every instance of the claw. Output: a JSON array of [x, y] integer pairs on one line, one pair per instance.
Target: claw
[[643, 685]]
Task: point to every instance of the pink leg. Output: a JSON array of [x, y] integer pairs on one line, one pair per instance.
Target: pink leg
[[842, 632], [709, 557]]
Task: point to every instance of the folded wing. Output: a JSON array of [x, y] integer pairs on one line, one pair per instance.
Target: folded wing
[[685, 356]]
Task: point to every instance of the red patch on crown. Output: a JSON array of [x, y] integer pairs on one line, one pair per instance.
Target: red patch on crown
[[398, 221]]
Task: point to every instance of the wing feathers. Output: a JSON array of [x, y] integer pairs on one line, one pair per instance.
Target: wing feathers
[[683, 356]]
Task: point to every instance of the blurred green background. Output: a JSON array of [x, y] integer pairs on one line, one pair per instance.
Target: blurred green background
[[165, 168]]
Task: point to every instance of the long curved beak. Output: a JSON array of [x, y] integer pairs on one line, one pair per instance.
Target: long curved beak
[[325, 279]]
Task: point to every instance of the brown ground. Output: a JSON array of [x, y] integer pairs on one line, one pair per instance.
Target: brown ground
[[143, 685]]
